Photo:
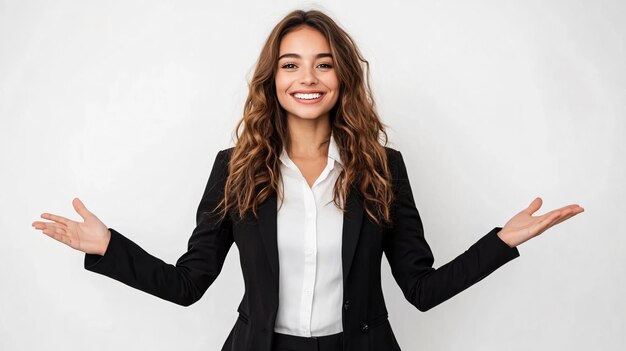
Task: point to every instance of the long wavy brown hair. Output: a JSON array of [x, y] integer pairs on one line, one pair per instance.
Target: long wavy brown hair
[[254, 168]]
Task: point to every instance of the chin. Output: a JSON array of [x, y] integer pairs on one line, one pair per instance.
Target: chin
[[309, 115]]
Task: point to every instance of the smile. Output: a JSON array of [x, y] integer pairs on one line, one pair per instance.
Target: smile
[[311, 98]]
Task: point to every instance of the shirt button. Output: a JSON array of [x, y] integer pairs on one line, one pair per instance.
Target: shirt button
[[365, 328], [346, 305]]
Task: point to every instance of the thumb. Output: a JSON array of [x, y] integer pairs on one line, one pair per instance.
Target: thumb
[[534, 206], [80, 208]]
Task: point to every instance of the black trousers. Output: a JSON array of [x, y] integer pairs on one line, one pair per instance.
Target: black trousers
[[284, 342]]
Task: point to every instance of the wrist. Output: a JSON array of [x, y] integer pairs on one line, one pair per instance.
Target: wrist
[[504, 236], [105, 244]]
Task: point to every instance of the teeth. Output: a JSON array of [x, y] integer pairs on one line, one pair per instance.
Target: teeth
[[307, 96]]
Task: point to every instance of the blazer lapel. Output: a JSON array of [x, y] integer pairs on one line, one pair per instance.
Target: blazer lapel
[[268, 231], [352, 220]]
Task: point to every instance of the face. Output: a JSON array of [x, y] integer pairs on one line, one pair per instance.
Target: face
[[306, 82]]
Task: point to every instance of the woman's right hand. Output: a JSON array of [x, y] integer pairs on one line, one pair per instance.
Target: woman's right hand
[[90, 236]]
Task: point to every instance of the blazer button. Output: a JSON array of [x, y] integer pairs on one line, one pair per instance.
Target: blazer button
[[365, 328], [346, 305]]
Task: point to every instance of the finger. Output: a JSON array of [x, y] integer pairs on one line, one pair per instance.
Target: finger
[[564, 218], [563, 210], [52, 228], [38, 225], [80, 208], [534, 206], [555, 219], [572, 207], [58, 219], [41, 225], [57, 233], [572, 214], [547, 221]]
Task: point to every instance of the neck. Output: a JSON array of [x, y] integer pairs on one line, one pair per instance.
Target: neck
[[308, 138]]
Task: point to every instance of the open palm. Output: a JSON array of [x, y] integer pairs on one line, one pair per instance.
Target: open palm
[[523, 226], [90, 236]]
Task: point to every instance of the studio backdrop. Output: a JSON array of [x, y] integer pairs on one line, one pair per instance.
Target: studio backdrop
[[125, 105]]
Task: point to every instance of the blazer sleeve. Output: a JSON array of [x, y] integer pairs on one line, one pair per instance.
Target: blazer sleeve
[[411, 259], [185, 282]]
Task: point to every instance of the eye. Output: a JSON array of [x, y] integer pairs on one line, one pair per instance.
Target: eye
[[292, 65]]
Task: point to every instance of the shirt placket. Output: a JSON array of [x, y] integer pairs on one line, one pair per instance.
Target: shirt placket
[[310, 251]]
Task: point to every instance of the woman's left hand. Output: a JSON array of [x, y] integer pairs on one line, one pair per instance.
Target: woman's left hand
[[523, 226]]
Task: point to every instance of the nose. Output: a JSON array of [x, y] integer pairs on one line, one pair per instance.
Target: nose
[[308, 76]]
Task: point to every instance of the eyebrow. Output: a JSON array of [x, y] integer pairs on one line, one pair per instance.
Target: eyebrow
[[320, 55]]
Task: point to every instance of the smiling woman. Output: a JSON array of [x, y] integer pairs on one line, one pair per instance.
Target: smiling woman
[[313, 199], [306, 75], [308, 53]]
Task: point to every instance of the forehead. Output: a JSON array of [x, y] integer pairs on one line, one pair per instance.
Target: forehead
[[304, 41]]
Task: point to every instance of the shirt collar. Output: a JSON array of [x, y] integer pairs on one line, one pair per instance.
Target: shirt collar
[[333, 152]]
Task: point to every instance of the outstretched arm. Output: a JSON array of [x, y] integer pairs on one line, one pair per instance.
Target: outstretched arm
[[523, 226], [411, 259], [110, 253]]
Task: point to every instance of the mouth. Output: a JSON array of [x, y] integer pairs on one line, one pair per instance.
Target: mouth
[[308, 98]]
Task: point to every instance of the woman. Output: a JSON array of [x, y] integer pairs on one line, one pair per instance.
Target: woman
[[313, 201]]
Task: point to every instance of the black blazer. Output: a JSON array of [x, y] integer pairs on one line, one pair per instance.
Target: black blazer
[[364, 314]]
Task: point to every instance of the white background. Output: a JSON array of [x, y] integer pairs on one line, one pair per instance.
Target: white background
[[126, 103]]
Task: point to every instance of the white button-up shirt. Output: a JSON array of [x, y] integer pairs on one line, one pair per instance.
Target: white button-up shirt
[[309, 233]]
